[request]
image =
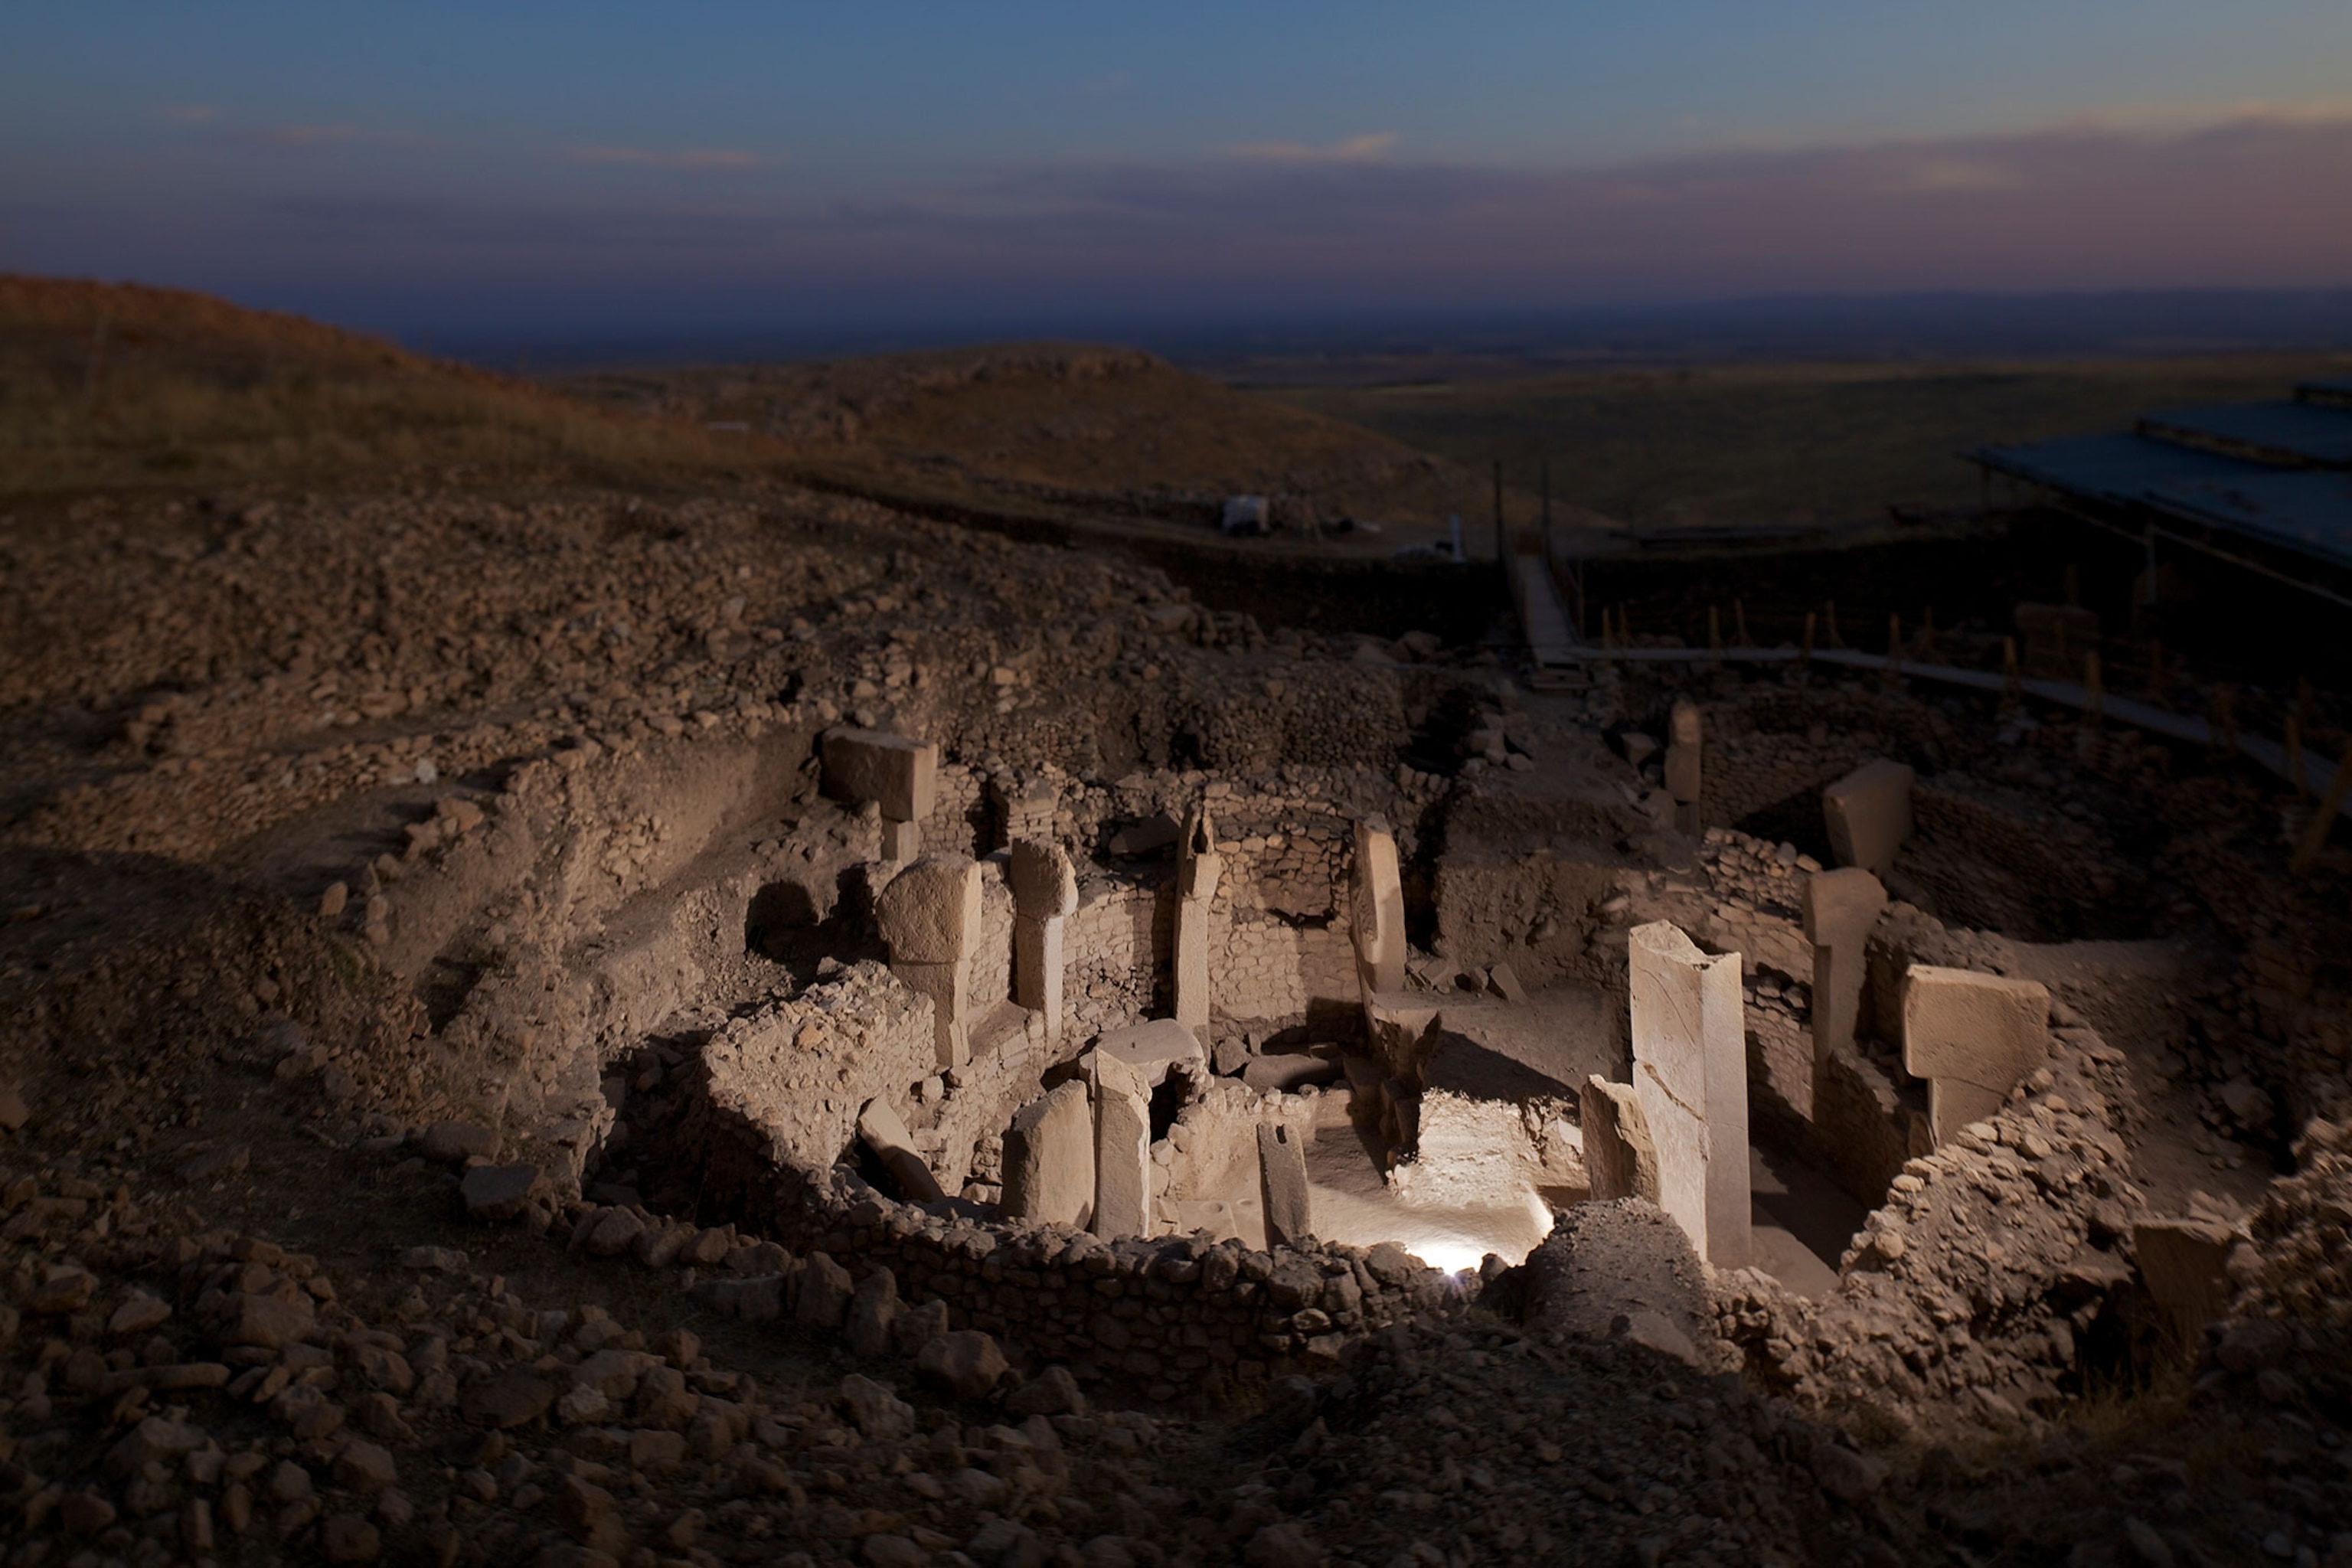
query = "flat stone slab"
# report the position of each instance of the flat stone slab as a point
(1151, 1048)
(898, 773)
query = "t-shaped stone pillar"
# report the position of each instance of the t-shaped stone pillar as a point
(1682, 766)
(1690, 1078)
(1868, 815)
(1840, 910)
(1122, 1147)
(1197, 867)
(930, 916)
(1973, 1038)
(1044, 895)
(898, 773)
(1378, 909)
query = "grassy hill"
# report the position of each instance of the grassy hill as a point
(1068, 431)
(113, 385)
(109, 386)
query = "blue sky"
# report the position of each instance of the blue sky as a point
(608, 167)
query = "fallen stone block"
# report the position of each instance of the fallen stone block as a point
(883, 1131)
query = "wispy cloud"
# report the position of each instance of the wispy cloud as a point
(2227, 204)
(732, 158)
(303, 135)
(1946, 174)
(1370, 148)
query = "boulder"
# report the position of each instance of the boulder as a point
(966, 1362)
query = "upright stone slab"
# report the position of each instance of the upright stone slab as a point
(1619, 1159)
(2184, 1263)
(1378, 909)
(1841, 909)
(1690, 1080)
(1282, 1185)
(1973, 1038)
(1868, 814)
(930, 917)
(898, 773)
(1049, 1158)
(1044, 895)
(1122, 1147)
(1682, 765)
(1197, 867)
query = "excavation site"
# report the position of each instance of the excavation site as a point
(557, 1012)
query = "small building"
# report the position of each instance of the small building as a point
(1245, 516)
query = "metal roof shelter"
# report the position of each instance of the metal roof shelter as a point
(2277, 477)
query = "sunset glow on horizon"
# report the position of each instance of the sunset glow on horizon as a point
(563, 169)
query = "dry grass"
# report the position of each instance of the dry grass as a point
(1068, 433)
(116, 386)
(1816, 444)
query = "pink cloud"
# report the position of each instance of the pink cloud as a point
(1365, 149)
(656, 158)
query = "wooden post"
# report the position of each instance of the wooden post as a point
(2298, 723)
(2095, 697)
(1805, 649)
(1713, 637)
(1739, 624)
(1501, 554)
(96, 374)
(2223, 721)
(2314, 832)
(2012, 685)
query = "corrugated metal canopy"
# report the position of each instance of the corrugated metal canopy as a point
(2306, 509)
(2297, 433)
(2118, 469)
